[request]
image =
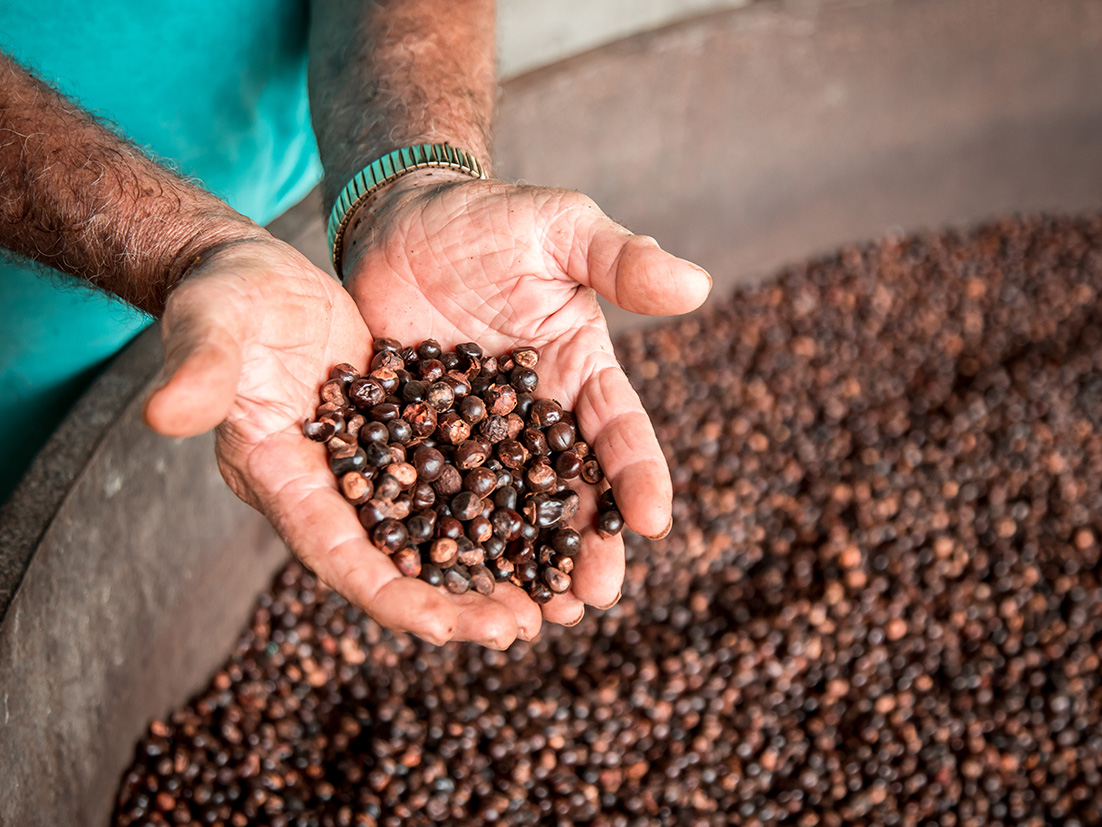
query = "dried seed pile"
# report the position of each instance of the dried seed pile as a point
(880, 602)
(457, 470)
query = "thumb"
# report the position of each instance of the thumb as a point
(629, 270)
(202, 342)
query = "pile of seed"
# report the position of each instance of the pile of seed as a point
(880, 602)
(457, 470)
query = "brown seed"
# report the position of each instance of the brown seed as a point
(428, 462)
(526, 357)
(501, 399)
(540, 477)
(479, 530)
(366, 393)
(421, 418)
(494, 429)
(456, 580)
(404, 473)
(482, 580)
(534, 440)
(514, 425)
(470, 454)
(512, 454)
(591, 471)
(610, 523)
(568, 465)
(557, 581)
(473, 555)
(449, 483)
(356, 487)
(545, 413)
(451, 429)
(408, 562)
(560, 436)
(444, 552)
(333, 392)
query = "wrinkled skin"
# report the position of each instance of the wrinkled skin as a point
(507, 266)
(255, 328)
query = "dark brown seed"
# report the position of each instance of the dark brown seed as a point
(540, 594)
(449, 527)
(514, 425)
(606, 501)
(493, 428)
(428, 462)
(389, 534)
(525, 380)
(479, 530)
(591, 471)
(354, 424)
(432, 574)
(377, 454)
(512, 454)
(470, 350)
(560, 436)
(319, 430)
(400, 431)
(571, 502)
(387, 360)
(387, 379)
(482, 579)
(421, 418)
(540, 477)
(502, 569)
(440, 395)
(347, 460)
(420, 528)
(526, 357)
(384, 412)
(472, 409)
(465, 506)
(385, 343)
(444, 552)
(506, 524)
(542, 511)
(582, 449)
(333, 392)
(341, 444)
(472, 555)
(505, 497)
(528, 570)
(414, 391)
(430, 349)
(534, 440)
(404, 473)
(566, 541)
(460, 384)
(344, 373)
(470, 454)
(489, 366)
(493, 546)
(373, 432)
(372, 512)
(423, 495)
(452, 429)
(366, 393)
(557, 581)
(457, 580)
(408, 561)
(480, 481)
(561, 562)
(431, 370)
(357, 488)
(568, 465)
(501, 399)
(449, 483)
(610, 523)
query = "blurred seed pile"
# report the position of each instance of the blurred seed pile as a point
(880, 603)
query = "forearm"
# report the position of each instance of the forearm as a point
(81, 200)
(393, 73)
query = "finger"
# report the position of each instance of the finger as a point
(484, 620)
(565, 609)
(608, 407)
(599, 569)
(629, 270)
(528, 615)
(202, 340)
(294, 489)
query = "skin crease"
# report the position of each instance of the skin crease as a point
(251, 328)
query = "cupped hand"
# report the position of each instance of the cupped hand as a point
(249, 336)
(505, 266)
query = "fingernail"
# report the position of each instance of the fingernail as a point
(619, 594)
(579, 620)
(664, 532)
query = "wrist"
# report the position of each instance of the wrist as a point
(418, 167)
(195, 242)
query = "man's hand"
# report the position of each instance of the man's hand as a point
(249, 335)
(505, 266)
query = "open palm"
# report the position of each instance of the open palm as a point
(506, 266)
(248, 338)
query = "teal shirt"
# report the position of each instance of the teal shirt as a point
(214, 88)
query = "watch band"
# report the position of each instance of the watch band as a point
(381, 172)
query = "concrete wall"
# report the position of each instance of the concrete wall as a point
(535, 33)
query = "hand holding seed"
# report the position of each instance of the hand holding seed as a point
(510, 266)
(246, 337)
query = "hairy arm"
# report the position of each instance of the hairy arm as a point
(78, 198)
(394, 73)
